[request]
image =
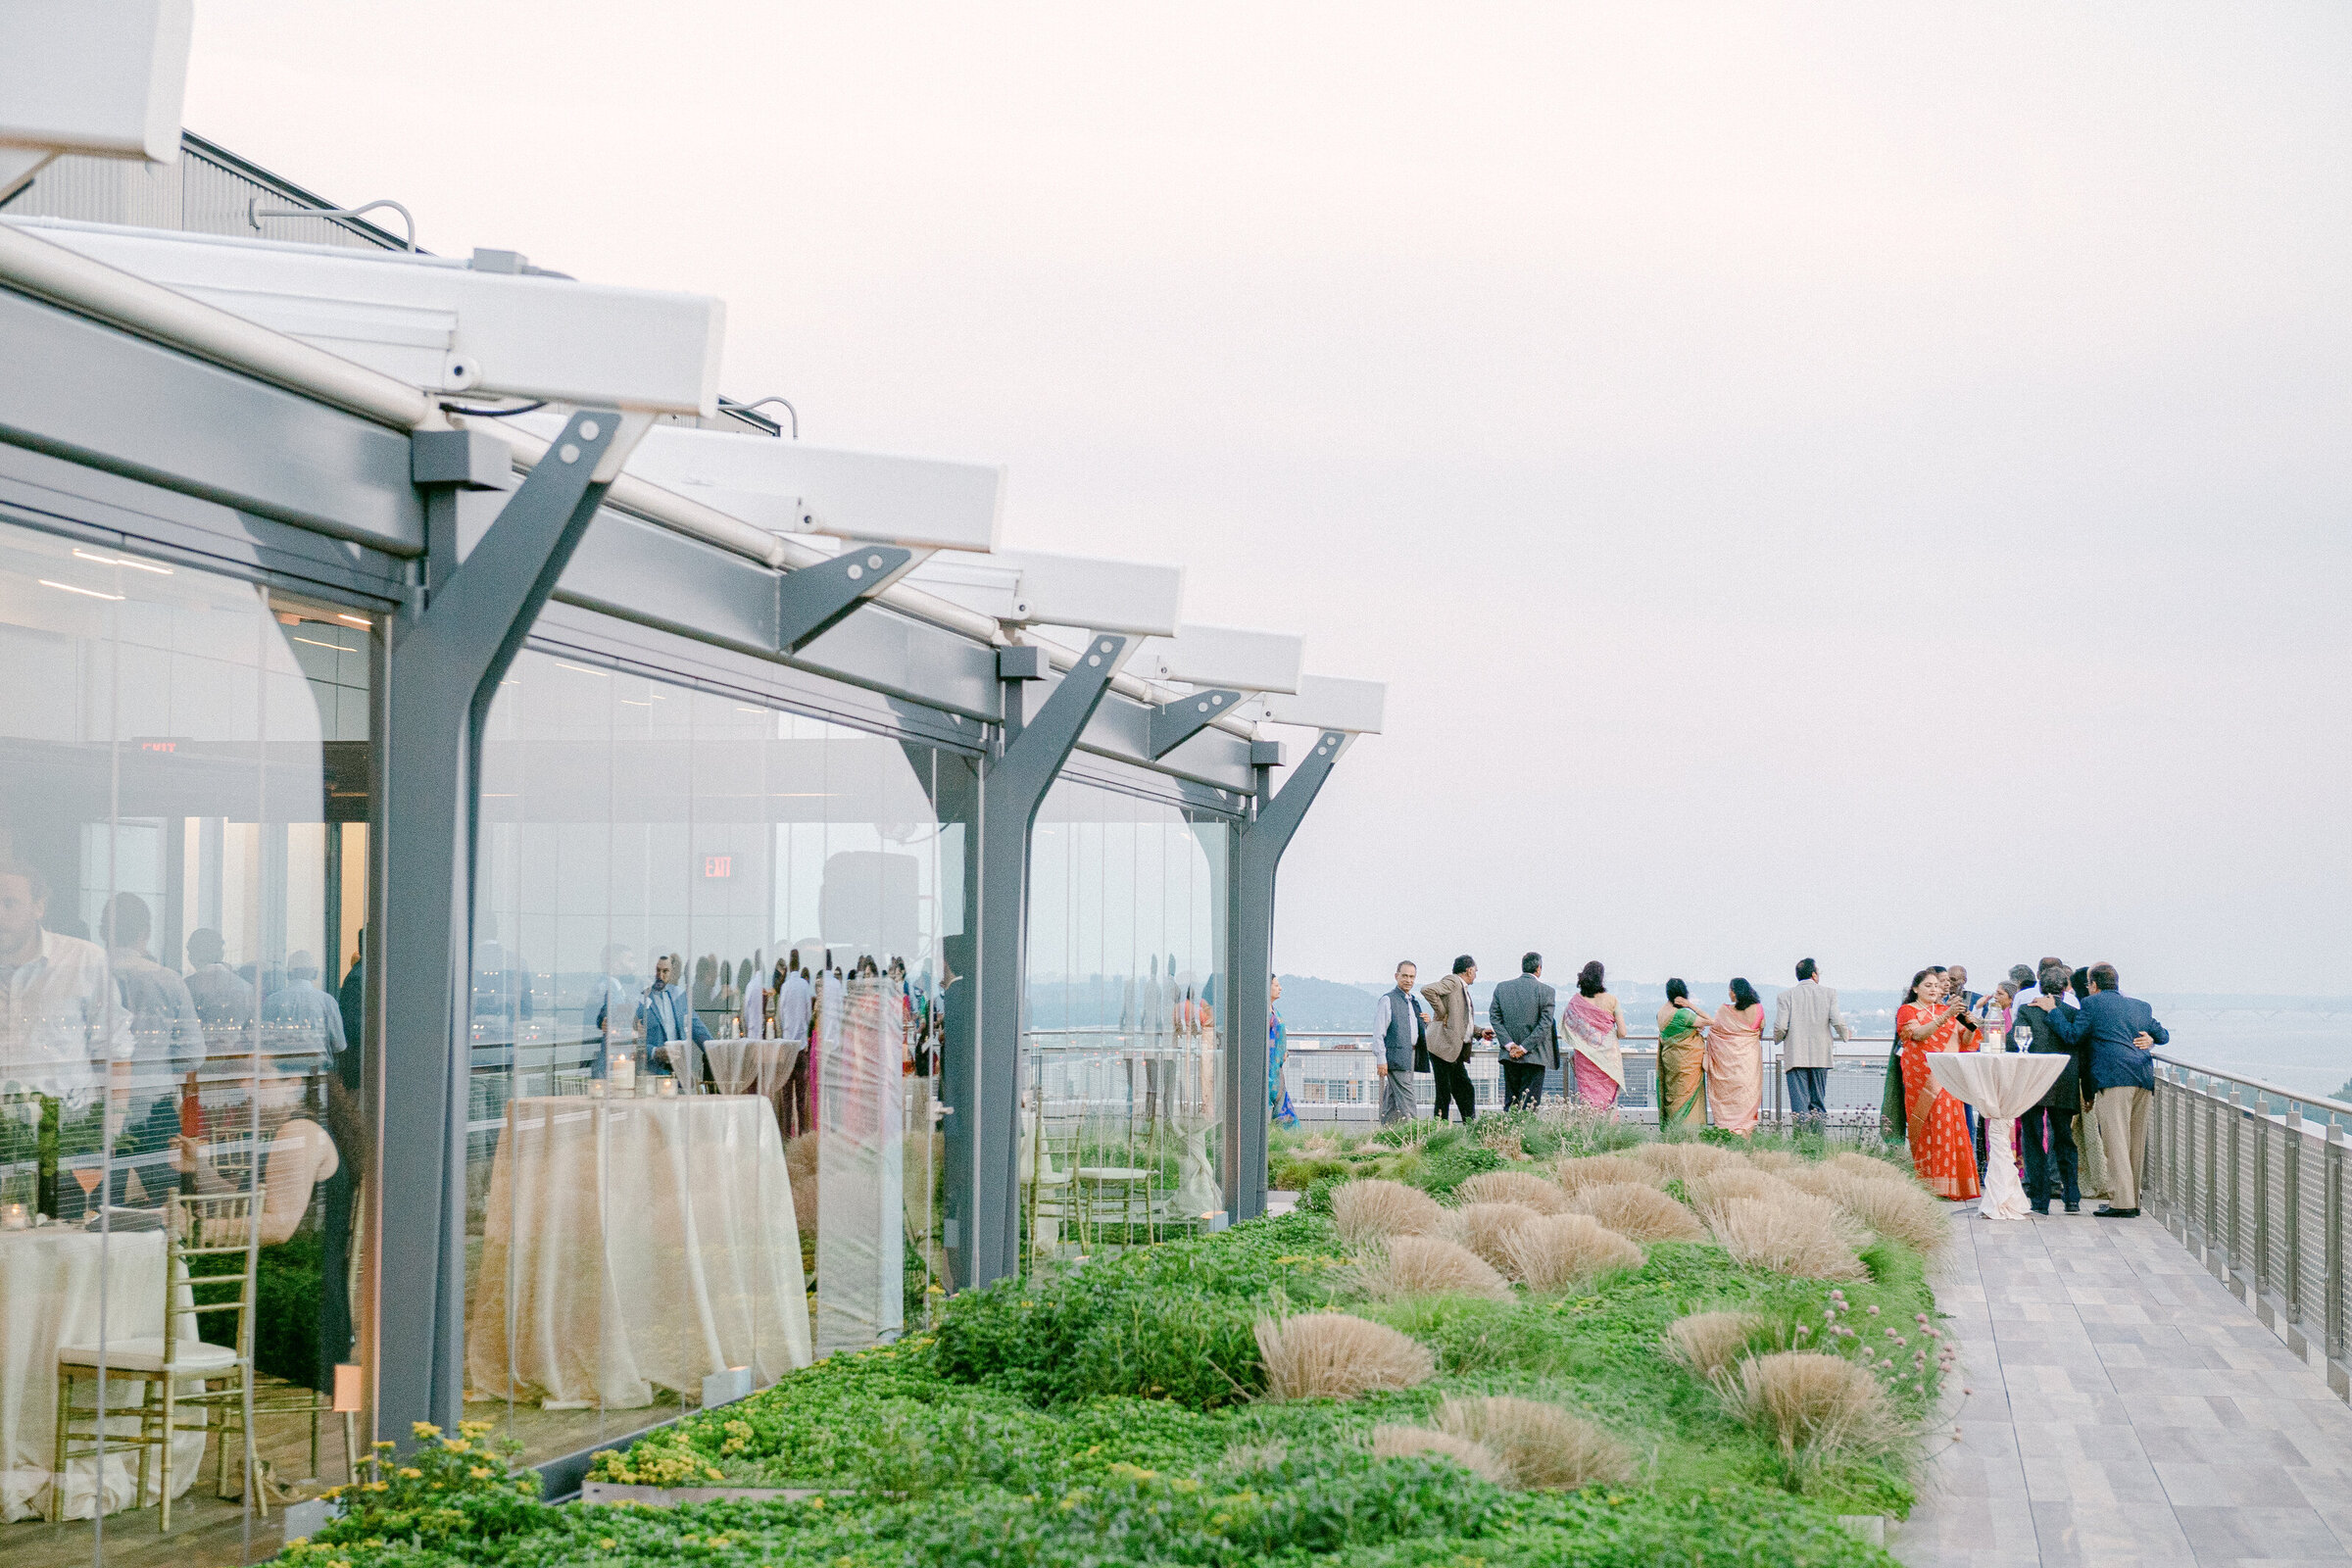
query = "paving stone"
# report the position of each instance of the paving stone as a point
(2229, 1535)
(2128, 1410)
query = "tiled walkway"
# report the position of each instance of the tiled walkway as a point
(2126, 1410)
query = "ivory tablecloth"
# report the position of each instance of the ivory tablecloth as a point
(2003, 1085)
(635, 1244)
(748, 1067)
(49, 1286)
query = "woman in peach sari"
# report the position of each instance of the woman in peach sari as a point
(1941, 1152)
(1735, 1057)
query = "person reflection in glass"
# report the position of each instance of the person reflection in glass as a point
(311, 1020)
(62, 1027)
(303, 1324)
(609, 1004)
(168, 1043)
(666, 1017)
(225, 999)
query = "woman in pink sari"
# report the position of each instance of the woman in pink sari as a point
(1593, 1025)
(1736, 1061)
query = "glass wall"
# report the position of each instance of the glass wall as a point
(184, 806)
(715, 952)
(1123, 1054)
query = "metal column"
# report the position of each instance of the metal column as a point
(1255, 861)
(1013, 786)
(444, 663)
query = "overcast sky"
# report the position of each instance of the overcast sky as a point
(1862, 481)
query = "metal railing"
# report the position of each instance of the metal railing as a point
(1332, 1077)
(2250, 1177)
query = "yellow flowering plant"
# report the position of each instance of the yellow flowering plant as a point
(463, 1487)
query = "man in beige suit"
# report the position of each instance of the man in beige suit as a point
(1452, 1026)
(1803, 1021)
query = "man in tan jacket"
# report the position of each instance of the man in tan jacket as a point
(1452, 1026)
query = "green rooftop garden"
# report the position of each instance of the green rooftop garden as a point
(1534, 1341)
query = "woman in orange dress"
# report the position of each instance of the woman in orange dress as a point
(1941, 1152)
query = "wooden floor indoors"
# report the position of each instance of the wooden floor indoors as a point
(212, 1532)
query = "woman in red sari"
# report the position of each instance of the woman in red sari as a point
(1941, 1152)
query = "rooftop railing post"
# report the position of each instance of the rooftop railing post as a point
(2260, 1122)
(2234, 1252)
(444, 660)
(1258, 857)
(2294, 1226)
(2332, 1209)
(2213, 1176)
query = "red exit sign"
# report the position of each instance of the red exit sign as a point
(717, 867)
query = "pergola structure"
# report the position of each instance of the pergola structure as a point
(468, 461)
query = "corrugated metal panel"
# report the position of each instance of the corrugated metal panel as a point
(208, 191)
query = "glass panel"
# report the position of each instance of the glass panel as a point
(710, 941)
(1124, 1059)
(178, 1067)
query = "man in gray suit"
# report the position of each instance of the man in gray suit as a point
(1525, 1017)
(1803, 1021)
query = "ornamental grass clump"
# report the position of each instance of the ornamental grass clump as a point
(1709, 1343)
(1718, 1187)
(1332, 1355)
(1431, 1265)
(1898, 1209)
(1810, 1401)
(1775, 1161)
(1684, 1161)
(1486, 1228)
(1877, 1169)
(1541, 1446)
(1407, 1442)
(1521, 1186)
(1563, 1252)
(1363, 1212)
(1638, 1212)
(1788, 1238)
(1595, 1170)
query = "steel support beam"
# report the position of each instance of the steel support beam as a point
(1174, 723)
(1013, 784)
(812, 600)
(1255, 859)
(445, 657)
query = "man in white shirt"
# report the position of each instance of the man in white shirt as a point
(796, 1006)
(62, 1027)
(1804, 1019)
(62, 1023)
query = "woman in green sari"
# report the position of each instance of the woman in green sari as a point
(1682, 1061)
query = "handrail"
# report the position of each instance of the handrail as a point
(2259, 1200)
(2340, 1107)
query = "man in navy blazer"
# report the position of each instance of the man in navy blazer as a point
(2121, 1034)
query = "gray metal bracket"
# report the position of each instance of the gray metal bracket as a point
(444, 660)
(1174, 723)
(1257, 857)
(812, 600)
(1014, 785)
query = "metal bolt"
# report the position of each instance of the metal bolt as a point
(568, 453)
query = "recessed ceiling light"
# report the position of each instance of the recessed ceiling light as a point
(67, 587)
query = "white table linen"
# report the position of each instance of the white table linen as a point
(50, 1281)
(632, 1243)
(751, 1066)
(2003, 1085)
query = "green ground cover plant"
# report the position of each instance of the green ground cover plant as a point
(1117, 1413)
